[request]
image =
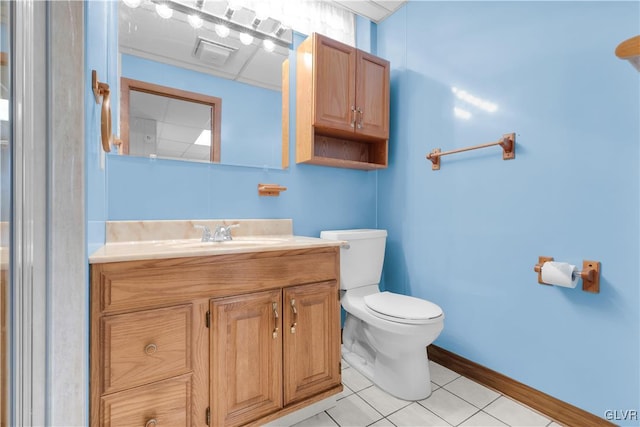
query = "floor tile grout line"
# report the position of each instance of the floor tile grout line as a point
(334, 421)
(476, 413)
(365, 401)
(471, 403)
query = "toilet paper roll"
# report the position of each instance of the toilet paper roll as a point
(560, 274)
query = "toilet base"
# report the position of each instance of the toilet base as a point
(408, 379)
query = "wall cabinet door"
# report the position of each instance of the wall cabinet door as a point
(372, 96)
(246, 357)
(351, 90)
(335, 85)
(311, 340)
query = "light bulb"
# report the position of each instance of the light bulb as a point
(268, 45)
(195, 21)
(246, 39)
(132, 3)
(164, 11)
(222, 30)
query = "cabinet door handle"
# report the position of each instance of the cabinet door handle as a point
(274, 307)
(151, 423)
(151, 349)
(353, 116)
(359, 111)
(295, 316)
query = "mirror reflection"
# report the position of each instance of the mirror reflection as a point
(157, 121)
(246, 77)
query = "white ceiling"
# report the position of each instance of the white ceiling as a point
(375, 10)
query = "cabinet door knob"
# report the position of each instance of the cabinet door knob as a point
(151, 423)
(359, 111)
(353, 116)
(150, 349)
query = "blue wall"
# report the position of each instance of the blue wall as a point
(251, 132)
(317, 197)
(467, 236)
(101, 54)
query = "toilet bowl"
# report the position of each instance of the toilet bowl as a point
(385, 334)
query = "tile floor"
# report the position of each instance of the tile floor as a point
(455, 401)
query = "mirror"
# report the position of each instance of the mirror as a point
(247, 79)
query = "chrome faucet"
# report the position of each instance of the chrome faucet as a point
(222, 233)
(206, 232)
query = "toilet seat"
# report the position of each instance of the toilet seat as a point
(402, 308)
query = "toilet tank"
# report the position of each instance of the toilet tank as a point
(361, 263)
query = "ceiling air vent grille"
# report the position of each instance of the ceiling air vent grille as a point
(211, 52)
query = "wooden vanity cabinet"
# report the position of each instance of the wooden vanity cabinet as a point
(342, 107)
(225, 340)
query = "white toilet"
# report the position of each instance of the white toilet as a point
(385, 334)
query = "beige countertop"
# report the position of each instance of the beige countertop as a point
(158, 249)
(143, 240)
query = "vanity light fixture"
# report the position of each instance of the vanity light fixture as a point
(232, 7)
(222, 30)
(164, 11)
(195, 21)
(268, 45)
(223, 25)
(262, 14)
(246, 39)
(280, 30)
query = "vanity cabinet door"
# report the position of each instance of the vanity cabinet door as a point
(311, 340)
(246, 357)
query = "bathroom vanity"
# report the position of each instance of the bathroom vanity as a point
(234, 333)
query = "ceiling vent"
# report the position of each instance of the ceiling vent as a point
(211, 52)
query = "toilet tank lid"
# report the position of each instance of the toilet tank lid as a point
(354, 234)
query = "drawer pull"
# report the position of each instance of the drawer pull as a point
(151, 349)
(151, 423)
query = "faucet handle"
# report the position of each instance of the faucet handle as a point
(223, 232)
(206, 232)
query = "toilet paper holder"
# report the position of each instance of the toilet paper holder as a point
(590, 274)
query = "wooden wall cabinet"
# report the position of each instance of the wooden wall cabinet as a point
(224, 340)
(342, 105)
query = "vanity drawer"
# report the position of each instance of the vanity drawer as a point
(165, 403)
(133, 285)
(138, 348)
